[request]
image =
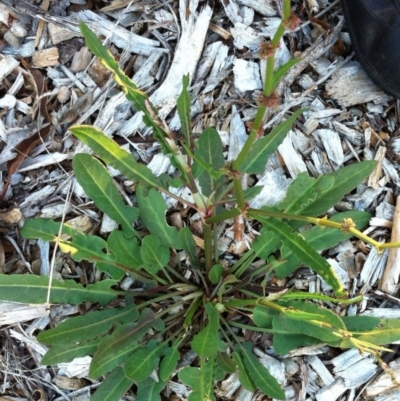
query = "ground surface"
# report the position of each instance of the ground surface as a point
(348, 119)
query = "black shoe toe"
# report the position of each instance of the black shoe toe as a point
(374, 27)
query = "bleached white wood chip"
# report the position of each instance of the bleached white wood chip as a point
(320, 369)
(8, 101)
(265, 7)
(391, 171)
(187, 54)
(245, 36)
(383, 313)
(384, 385)
(208, 59)
(7, 64)
(144, 77)
(229, 386)
(79, 367)
(372, 269)
(275, 367)
(373, 179)
(350, 134)
(232, 11)
(47, 159)
(350, 86)
(391, 273)
(331, 392)
(294, 162)
(38, 348)
(238, 135)
(247, 75)
(244, 395)
(37, 196)
(358, 373)
(275, 184)
(12, 313)
(44, 248)
(333, 146)
(159, 164)
(107, 225)
(118, 35)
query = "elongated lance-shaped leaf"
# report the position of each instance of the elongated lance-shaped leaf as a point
(210, 150)
(323, 324)
(201, 381)
(31, 289)
(91, 325)
(98, 185)
(257, 158)
(140, 364)
(387, 332)
(311, 197)
(168, 363)
(244, 377)
(284, 343)
(360, 323)
(114, 155)
(225, 362)
(260, 375)
(128, 86)
(60, 353)
(303, 251)
(281, 71)
(115, 348)
(320, 239)
(149, 390)
(205, 343)
(115, 385)
(154, 255)
(81, 246)
(183, 106)
(153, 208)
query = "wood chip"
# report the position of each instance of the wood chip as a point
(46, 58)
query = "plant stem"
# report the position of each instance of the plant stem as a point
(287, 11)
(230, 214)
(216, 247)
(239, 193)
(253, 328)
(240, 302)
(208, 248)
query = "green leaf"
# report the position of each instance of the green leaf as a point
(98, 185)
(244, 377)
(215, 273)
(114, 155)
(60, 353)
(113, 388)
(183, 106)
(210, 150)
(320, 238)
(168, 364)
(260, 375)
(138, 367)
(323, 323)
(256, 160)
(154, 255)
(284, 343)
(189, 246)
(265, 243)
(153, 208)
(126, 251)
(248, 193)
(115, 348)
(128, 86)
(281, 71)
(387, 332)
(91, 325)
(205, 343)
(81, 246)
(200, 380)
(149, 390)
(263, 316)
(225, 362)
(31, 289)
(360, 323)
(311, 197)
(303, 251)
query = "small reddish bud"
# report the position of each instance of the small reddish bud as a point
(266, 50)
(268, 101)
(292, 22)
